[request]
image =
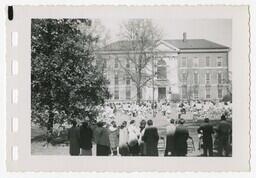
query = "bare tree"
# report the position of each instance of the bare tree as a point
(141, 38)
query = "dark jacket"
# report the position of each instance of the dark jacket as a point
(180, 140)
(86, 138)
(74, 138)
(151, 138)
(207, 131)
(102, 136)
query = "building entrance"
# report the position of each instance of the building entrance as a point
(161, 93)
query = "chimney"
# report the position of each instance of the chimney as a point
(184, 36)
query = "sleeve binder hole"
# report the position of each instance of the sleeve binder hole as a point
(15, 96)
(14, 153)
(14, 39)
(15, 124)
(15, 67)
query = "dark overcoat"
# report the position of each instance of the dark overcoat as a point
(151, 138)
(74, 141)
(86, 138)
(180, 140)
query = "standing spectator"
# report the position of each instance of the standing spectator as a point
(102, 140)
(151, 138)
(113, 137)
(206, 130)
(170, 138)
(134, 133)
(123, 140)
(180, 139)
(74, 138)
(86, 139)
(223, 135)
(142, 146)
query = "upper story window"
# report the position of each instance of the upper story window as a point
(116, 62)
(128, 80)
(196, 62)
(116, 79)
(207, 78)
(219, 78)
(127, 63)
(208, 92)
(161, 69)
(183, 62)
(116, 93)
(207, 61)
(219, 61)
(196, 79)
(184, 77)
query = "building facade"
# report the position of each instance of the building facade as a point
(187, 69)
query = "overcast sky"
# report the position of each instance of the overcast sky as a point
(219, 30)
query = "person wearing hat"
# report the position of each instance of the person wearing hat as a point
(102, 140)
(74, 139)
(151, 137)
(206, 130)
(86, 135)
(170, 138)
(223, 133)
(181, 136)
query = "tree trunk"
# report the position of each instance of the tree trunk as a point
(50, 124)
(138, 94)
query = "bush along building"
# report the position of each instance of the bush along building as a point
(181, 69)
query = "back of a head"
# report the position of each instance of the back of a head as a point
(132, 122)
(181, 121)
(172, 121)
(73, 122)
(150, 122)
(85, 124)
(223, 117)
(100, 124)
(206, 120)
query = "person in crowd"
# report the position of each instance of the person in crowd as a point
(143, 124)
(134, 133)
(114, 137)
(151, 137)
(180, 139)
(86, 135)
(102, 140)
(170, 130)
(223, 135)
(74, 139)
(123, 140)
(206, 130)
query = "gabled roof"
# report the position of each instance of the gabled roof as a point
(195, 44)
(188, 44)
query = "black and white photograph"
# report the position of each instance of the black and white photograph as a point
(131, 87)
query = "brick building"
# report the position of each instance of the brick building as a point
(186, 69)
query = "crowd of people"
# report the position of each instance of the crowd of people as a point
(142, 139)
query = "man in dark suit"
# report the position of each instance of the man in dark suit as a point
(151, 137)
(206, 130)
(74, 139)
(180, 139)
(223, 135)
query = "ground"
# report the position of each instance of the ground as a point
(39, 147)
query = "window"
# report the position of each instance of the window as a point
(219, 61)
(219, 78)
(196, 62)
(116, 79)
(219, 92)
(207, 78)
(183, 62)
(184, 91)
(208, 92)
(195, 92)
(116, 62)
(161, 69)
(128, 80)
(207, 61)
(184, 77)
(128, 92)
(116, 93)
(127, 64)
(195, 78)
